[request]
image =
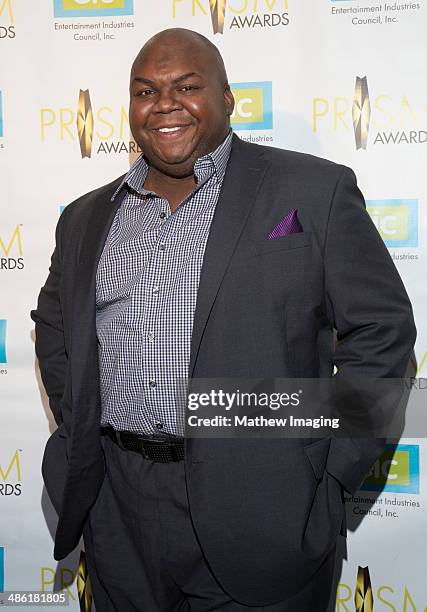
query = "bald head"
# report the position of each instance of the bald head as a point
(180, 100)
(169, 40)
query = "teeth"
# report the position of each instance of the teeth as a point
(172, 129)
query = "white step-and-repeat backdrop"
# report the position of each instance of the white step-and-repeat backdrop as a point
(342, 79)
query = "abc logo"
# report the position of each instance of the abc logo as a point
(253, 106)
(397, 470)
(390, 222)
(76, 4)
(396, 221)
(88, 8)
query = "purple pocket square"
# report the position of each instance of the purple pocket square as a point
(288, 225)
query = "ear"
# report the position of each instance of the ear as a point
(229, 100)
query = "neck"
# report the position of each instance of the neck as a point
(158, 181)
(173, 189)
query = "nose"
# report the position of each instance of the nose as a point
(167, 101)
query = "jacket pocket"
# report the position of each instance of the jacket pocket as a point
(326, 518)
(317, 454)
(62, 432)
(300, 240)
(55, 466)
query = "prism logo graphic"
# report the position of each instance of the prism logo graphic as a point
(103, 124)
(363, 598)
(385, 118)
(217, 8)
(7, 28)
(84, 585)
(85, 123)
(366, 596)
(396, 221)
(361, 112)
(3, 358)
(396, 471)
(241, 14)
(82, 118)
(10, 474)
(92, 8)
(344, 111)
(11, 251)
(6, 11)
(253, 106)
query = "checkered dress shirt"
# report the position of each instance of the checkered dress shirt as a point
(146, 290)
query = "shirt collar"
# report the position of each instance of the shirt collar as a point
(204, 168)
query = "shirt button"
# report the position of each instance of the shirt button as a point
(162, 215)
(159, 425)
(151, 336)
(155, 290)
(162, 247)
(152, 383)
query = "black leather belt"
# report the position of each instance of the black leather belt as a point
(161, 449)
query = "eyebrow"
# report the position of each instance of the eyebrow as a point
(182, 77)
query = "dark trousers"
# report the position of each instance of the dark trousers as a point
(142, 552)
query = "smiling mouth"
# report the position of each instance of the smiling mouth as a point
(169, 129)
(173, 129)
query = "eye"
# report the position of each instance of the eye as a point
(144, 92)
(185, 88)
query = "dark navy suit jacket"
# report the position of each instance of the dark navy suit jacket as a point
(267, 512)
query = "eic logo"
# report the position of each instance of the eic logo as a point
(92, 8)
(3, 358)
(396, 471)
(1, 116)
(253, 106)
(396, 221)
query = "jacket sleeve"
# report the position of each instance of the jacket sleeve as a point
(371, 311)
(50, 345)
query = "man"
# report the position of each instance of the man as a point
(182, 268)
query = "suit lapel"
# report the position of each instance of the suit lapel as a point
(242, 180)
(84, 342)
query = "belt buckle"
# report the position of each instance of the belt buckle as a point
(118, 437)
(145, 445)
(143, 450)
(152, 445)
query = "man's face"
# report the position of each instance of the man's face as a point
(179, 106)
